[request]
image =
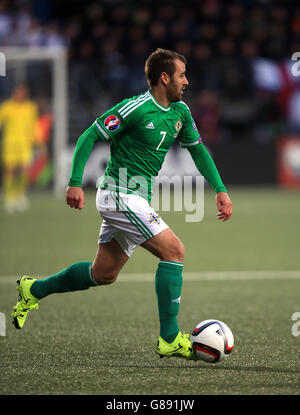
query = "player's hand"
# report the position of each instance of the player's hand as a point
(224, 206)
(75, 197)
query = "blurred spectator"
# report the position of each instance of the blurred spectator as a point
(211, 10)
(293, 113)
(53, 36)
(157, 35)
(115, 70)
(23, 18)
(135, 77)
(44, 123)
(35, 35)
(236, 10)
(268, 83)
(201, 68)
(267, 75)
(6, 21)
(185, 48)
(295, 24)
(235, 48)
(141, 16)
(236, 92)
(178, 30)
(289, 97)
(167, 13)
(206, 113)
(40, 170)
(41, 9)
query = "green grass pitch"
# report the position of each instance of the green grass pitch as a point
(245, 272)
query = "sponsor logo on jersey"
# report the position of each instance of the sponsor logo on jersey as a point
(150, 126)
(178, 126)
(112, 123)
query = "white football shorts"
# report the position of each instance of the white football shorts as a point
(128, 218)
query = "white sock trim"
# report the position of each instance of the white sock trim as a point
(94, 282)
(172, 263)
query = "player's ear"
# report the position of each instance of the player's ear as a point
(164, 78)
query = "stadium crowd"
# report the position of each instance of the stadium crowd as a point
(238, 52)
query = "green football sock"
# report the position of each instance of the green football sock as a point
(168, 284)
(74, 278)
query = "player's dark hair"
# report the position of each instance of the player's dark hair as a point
(161, 60)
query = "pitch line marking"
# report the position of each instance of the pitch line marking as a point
(219, 276)
(198, 276)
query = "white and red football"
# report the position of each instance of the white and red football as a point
(212, 340)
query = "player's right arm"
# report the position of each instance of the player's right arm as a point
(104, 128)
(84, 146)
(75, 197)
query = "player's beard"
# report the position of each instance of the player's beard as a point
(174, 92)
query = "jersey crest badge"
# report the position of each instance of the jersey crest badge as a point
(112, 123)
(178, 126)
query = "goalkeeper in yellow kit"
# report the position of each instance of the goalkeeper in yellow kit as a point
(18, 117)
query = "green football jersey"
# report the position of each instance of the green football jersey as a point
(141, 133)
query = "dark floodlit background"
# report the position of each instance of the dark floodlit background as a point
(243, 95)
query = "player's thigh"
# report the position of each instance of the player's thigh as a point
(166, 245)
(109, 260)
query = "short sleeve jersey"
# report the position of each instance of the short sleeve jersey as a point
(141, 133)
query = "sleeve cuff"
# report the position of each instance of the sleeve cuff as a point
(100, 130)
(192, 144)
(221, 189)
(75, 182)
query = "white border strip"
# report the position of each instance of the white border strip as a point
(132, 103)
(189, 144)
(157, 104)
(129, 111)
(104, 133)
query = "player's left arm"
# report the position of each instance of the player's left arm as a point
(224, 206)
(190, 138)
(208, 169)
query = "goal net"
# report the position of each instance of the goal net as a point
(44, 72)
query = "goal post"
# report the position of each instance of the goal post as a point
(57, 58)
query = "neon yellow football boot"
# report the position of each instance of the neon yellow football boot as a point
(26, 301)
(180, 347)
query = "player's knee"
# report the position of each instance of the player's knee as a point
(179, 251)
(175, 252)
(104, 278)
(108, 279)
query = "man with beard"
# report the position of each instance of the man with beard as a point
(141, 129)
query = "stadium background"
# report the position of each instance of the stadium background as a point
(242, 93)
(245, 101)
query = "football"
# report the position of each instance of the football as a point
(212, 341)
